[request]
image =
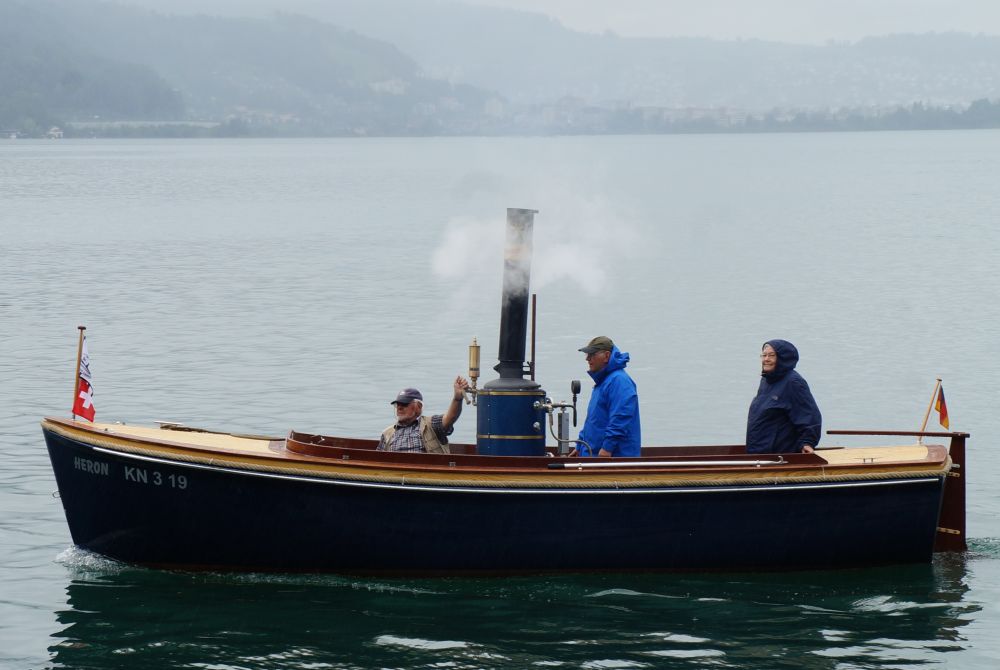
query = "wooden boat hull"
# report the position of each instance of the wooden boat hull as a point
(157, 505)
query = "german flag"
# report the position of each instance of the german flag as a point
(942, 408)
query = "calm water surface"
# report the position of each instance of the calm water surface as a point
(267, 285)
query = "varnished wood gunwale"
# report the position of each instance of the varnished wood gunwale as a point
(364, 462)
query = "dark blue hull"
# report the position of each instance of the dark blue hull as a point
(162, 512)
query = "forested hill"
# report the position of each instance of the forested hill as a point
(47, 74)
(441, 67)
(530, 58)
(77, 60)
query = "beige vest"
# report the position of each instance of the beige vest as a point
(432, 445)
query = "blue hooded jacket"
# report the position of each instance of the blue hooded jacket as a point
(783, 417)
(613, 413)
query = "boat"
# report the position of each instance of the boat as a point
(170, 498)
(176, 497)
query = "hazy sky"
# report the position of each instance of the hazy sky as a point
(809, 21)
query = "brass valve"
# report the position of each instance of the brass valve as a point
(471, 392)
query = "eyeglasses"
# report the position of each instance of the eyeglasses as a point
(771, 355)
(591, 355)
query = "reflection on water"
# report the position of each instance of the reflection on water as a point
(117, 616)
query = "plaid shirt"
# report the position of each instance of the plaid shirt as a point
(409, 438)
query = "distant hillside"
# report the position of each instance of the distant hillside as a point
(46, 75)
(289, 71)
(529, 58)
(440, 67)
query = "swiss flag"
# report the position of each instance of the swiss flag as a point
(83, 404)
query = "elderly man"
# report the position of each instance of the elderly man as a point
(612, 426)
(415, 432)
(783, 417)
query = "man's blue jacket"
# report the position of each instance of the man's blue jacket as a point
(783, 417)
(613, 413)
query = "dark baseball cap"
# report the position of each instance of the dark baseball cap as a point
(406, 396)
(599, 343)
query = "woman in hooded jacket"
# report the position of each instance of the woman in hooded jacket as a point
(784, 417)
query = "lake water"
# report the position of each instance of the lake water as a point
(262, 286)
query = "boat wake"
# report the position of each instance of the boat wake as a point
(88, 564)
(983, 547)
(324, 580)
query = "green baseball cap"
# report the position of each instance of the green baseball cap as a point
(599, 343)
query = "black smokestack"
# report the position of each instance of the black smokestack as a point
(516, 277)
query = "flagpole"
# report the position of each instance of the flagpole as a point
(76, 372)
(930, 406)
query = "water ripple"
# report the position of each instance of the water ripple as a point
(427, 645)
(248, 286)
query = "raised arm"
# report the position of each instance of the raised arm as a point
(455, 406)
